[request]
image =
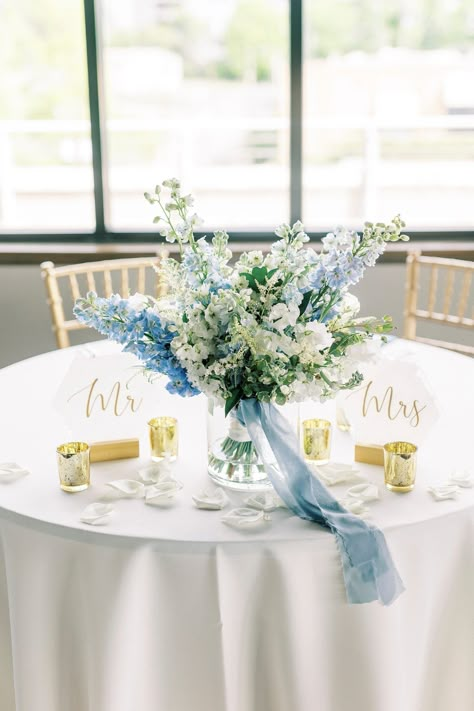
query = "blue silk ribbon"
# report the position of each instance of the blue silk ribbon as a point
(368, 568)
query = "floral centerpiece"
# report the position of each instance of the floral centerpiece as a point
(266, 330)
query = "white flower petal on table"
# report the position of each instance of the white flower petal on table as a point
(11, 471)
(127, 488)
(363, 492)
(163, 493)
(441, 492)
(337, 473)
(97, 514)
(210, 498)
(462, 478)
(245, 518)
(356, 506)
(158, 471)
(266, 501)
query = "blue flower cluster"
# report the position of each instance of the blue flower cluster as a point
(204, 265)
(141, 332)
(342, 269)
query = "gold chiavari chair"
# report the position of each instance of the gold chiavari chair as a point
(119, 276)
(449, 298)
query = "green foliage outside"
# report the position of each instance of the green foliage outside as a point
(42, 60)
(341, 26)
(43, 57)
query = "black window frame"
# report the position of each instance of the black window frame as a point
(103, 235)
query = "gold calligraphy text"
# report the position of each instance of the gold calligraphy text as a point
(411, 411)
(116, 400)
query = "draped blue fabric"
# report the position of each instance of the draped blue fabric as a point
(368, 569)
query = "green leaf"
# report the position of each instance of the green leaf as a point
(156, 219)
(251, 280)
(305, 302)
(232, 401)
(260, 274)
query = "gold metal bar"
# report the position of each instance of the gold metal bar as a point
(125, 287)
(90, 281)
(466, 285)
(451, 320)
(141, 280)
(76, 294)
(108, 283)
(114, 449)
(409, 326)
(369, 454)
(448, 294)
(433, 286)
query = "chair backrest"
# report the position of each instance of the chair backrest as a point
(65, 284)
(449, 297)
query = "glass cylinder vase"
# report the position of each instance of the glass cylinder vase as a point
(233, 461)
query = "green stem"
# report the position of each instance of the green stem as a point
(168, 220)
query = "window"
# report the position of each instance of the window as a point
(46, 178)
(268, 110)
(198, 90)
(389, 112)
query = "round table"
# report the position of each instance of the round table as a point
(172, 610)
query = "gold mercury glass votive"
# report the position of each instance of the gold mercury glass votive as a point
(316, 440)
(163, 438)
(400, 466)
(73, 466)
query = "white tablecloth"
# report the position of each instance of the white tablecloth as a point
(171, 610)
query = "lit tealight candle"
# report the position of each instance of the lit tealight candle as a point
(73, 466)
(163, 438)
(400, 466)
(316, 440)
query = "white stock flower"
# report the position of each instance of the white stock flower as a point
(262, 342)
(282, 231)
(138, 301)
(318, 335)
(349, 304)
(359, 355)
(283, 315)
(255, 258)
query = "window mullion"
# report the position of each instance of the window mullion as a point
(95, 83)
(296, 108)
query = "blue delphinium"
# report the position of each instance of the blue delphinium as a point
(140, 331)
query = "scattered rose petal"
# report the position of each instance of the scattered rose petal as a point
(335, 473)
(127, 488)
(97, 514)
(245, 518)
(462, 478)
(356, 506)
(163, 493)
(211, 499)
(266, 501)
(11, 471)
(153, 473)
(363, 492)
(441, 492)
